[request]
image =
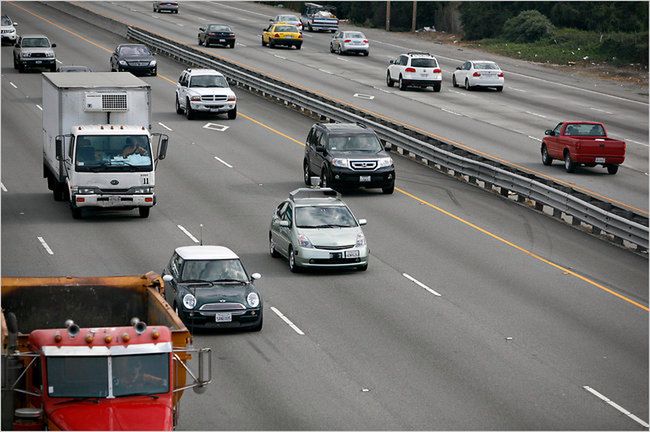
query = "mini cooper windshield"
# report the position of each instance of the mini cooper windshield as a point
(225, 270)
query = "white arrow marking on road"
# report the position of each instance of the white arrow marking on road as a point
(288, 321)
(13, 85)
(223, 162)
(215, 126)
(39, 107)
(417, 282)
(187, 233)
(615, 405)
(4, 189)
(364, 96)
(168, 128)
(47, 248)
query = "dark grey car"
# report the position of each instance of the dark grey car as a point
(134, 58)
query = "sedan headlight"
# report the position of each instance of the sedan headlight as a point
(143, 190)
(384, 162)
(253, 299)
(152, 63)
(122, 62)
(303, 241)
(340, 162)
(189, 301)
(361, 240)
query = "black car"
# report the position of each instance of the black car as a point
(347, 155)
(134, 58)
(216, 34)
(208, 287)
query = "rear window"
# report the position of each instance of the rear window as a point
(354, 35)
(286, 29)
(486, 66)
(584, 130)
(219, 28)
(424, 62)
(288, 18)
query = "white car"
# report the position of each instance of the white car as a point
(345, 42)
(8, 30)
(415, 69)
(204, 90)
(478, 73)
(289, 19)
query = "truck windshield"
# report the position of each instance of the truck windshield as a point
(224, 270)
(84, 376)
(35, 43)
(113, 153)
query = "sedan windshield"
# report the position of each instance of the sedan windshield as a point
(424, 62)
(225, 270)
(358, 142)
(286, 29)
(140, 374)
(101, 153)
(208, 81)
(135, 50)
(77, 376)
(36, 43)
(486, 66)
(324, 217)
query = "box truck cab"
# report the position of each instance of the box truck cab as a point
(98, 151)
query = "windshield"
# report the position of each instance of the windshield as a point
(36, 43)
(113, 153)
(324, 217)
(354, 35)
(286, 28)
(6, 21)
(77, 376)
(486, 66)
(584, 130)
(135, 50)
(219, 28)
(424, 62)
(358, 142)
(140, 374)
(210, 81)
(214, 270)
(287, 18)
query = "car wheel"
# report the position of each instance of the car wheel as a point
(21, 68)
(331, 48)
(232, 114)
(232, 45)
(271, 43)
(144, 212)
(389, 80)
(59, 191)
(612, 169)
(179, 110)
(189, 112)
(569, 165)
(15, 63)
(500, 88)
(467, 86)
(293, 267)
(307, 174)
(263, 43)
(546, 158)
(325, 179)
(298, 46)
(274, 253)
(310, 28)
(363, 267)
(154, 72)
(437, 87)
(388, 190)
(366, 53)
(200, 42)
(453, 81)
(402, 84)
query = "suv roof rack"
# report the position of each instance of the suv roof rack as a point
(316, 192)
(419, 53)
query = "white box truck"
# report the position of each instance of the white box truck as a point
(98, 150)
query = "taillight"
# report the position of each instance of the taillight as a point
(437, 70)
(500, 74)
(276, 35)
(347, 41)
(476, 74)
(409, 69)
(365, 41)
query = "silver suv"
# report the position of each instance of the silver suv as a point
(8, 30)
(204, 90)
(314, 228)
(415, 69)
(34, 51)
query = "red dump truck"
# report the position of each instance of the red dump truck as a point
(582, 143)
(94, 353)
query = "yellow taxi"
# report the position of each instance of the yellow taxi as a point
(282, 34)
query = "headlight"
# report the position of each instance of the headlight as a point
(339, 162)
(384, 162)
(189, 301)
(195, 98)
(25, 54)
(84, 190)
(122, 62)
(143, 190)
(253, 299)
(152, 63)
(49, 54)
(303, 241)
(361, 240)
(232, 98)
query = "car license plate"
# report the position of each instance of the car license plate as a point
(352, 254)
(424, 75)
(222, 40)
(38, 62)
(113, 199)
(288, 37)
(600, 160)
(336, 255)
(364, 178)
(223, 317)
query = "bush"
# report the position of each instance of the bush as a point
(627, 47)
(528, 26)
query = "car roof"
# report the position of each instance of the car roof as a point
(203, 72)
(218, 24)
(418, 54)
(308, 197)
(343, 127)
(205, 252)
(26, 36)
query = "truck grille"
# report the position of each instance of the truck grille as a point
(37, 54)
(214, 98)
(6, 31)
(361, 165)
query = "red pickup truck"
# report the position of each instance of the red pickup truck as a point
(582, 143)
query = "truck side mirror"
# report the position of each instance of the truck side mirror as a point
(549, 132)
(362, 221)
(162, 151)
(53, 45)
(205, 370)
(58, 142)
(284, 223)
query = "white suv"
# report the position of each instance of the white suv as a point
(204, 90)
(415, 69)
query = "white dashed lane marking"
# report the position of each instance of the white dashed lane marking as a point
(616, 406)
(13, 85)
(417, 282)
(45, 245)
(288, 321)
(223, 162)
(166, 127)
(39, 107)
(187, 233)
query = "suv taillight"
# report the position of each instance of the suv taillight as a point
(476, 74)
(500, 74)
(437, 70)
(409, 69)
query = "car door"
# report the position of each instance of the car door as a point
(282, 234)
(553, 142)
(315, 158)
(182, 89)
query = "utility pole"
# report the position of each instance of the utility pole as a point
(387, 15)
(415, 13)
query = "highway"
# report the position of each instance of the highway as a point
(506, 126)
(514, 322)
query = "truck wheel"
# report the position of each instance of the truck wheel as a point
(232, 114)
(612, 169)
(189, 112)
(569, 165)
(76, 212)
(310, 28)
(546, 158)
(179, 110)
(144, 212)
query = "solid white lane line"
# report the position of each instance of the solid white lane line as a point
(417, 282)
(326, 71)
(516, 89)
(223, 162)
(58, 61)
(535, 114)
(187, 233)
(39, 107)
(637, 142)
(616, 406)
(279, 56)
(451, 112)
(13, 85)
(4, 189)
(241, 44)
(47, 248)
(288, 321)
(534, 138)
(166, 127)
(201, 18)
(599, 110)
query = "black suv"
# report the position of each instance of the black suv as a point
(347, 155)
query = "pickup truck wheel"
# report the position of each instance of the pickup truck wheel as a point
(232, 114)
(179, 110)
(569, 165)
(144, 212)
(546, 158)
(612, 169)
(59, 191)
(389, 80)
(310, 28)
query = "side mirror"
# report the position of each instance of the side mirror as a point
(168, 278)
(53, 45)
(17, 45)
(271, 19)
(201, 28)
(320, 149)
(388, 146)
(284, 223)
(362, 221)
(458, 68)
(205, 370)
(162, 151)
(15, 24)
(256, 276)
(549, 132)
(58, 143)
(392, 61)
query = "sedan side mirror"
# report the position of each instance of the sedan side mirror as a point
(284, 223)
(53, 45)
(168, 278)
(15, 24)
(271, 19)
(362, 221)
(256, 276)
(549, 132)
(458, 68)
(392, 61)
(201, 29)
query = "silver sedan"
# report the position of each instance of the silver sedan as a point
(345, 42)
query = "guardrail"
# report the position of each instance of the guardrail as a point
(621, 225)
